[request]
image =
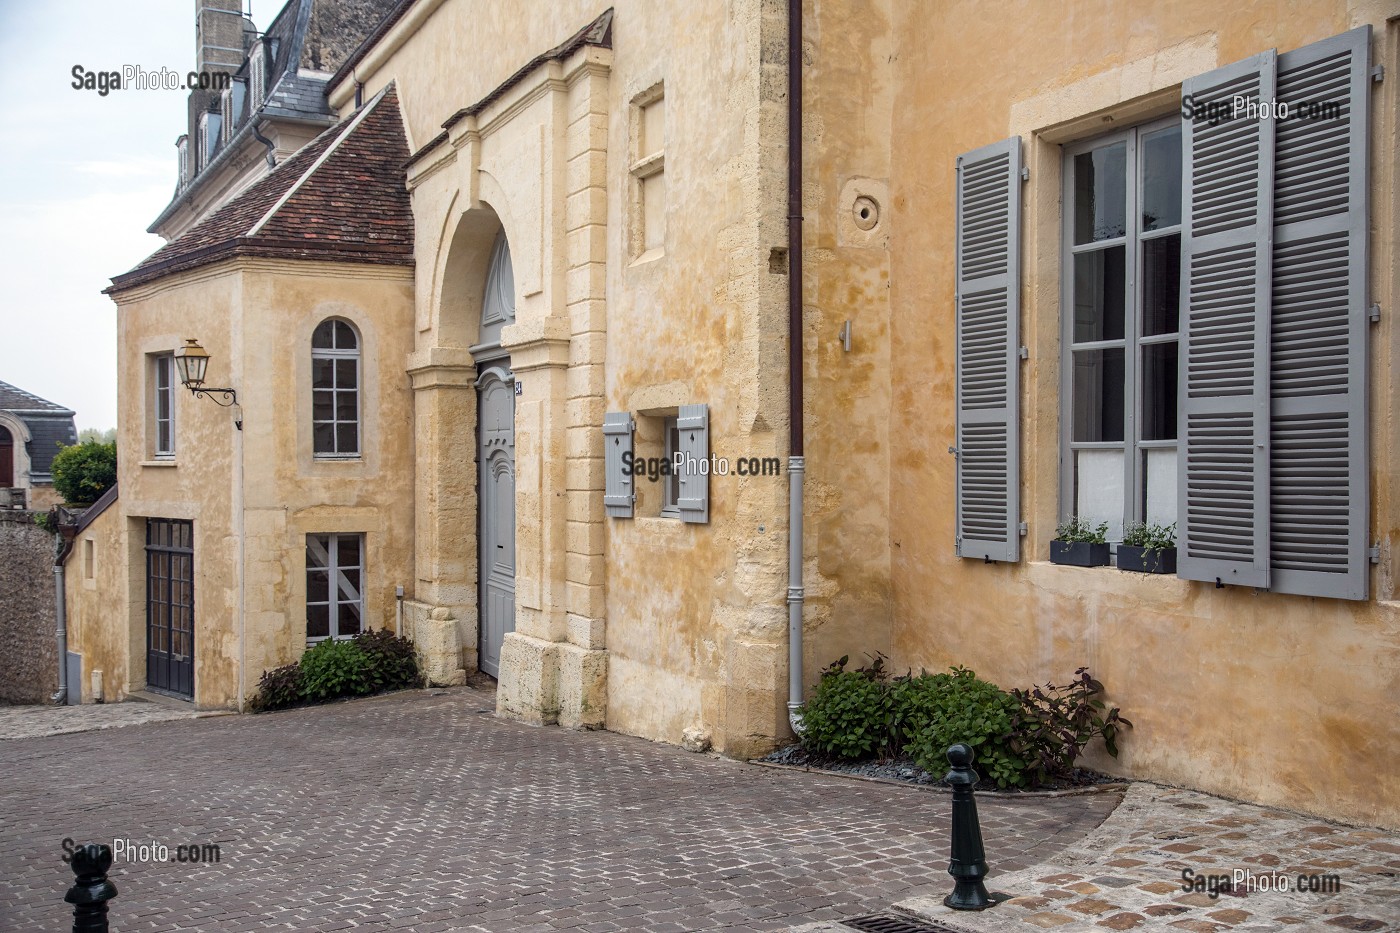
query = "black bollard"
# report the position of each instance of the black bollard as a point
(90, 894)
(967, 863)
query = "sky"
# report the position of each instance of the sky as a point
(81, 178)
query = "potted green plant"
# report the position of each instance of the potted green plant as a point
(1080, 544)
(1148, 548)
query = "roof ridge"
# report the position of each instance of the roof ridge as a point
(320, 160)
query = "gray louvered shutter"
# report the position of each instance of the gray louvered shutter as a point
(619, 492)
(1227, 194)
(1318, 466)
(988, 351)
(693, 499)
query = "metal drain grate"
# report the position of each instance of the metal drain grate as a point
(895, 923)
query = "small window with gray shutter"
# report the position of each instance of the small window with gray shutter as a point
(988, 387)
(619, 489)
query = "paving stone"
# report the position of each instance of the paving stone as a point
(416, 812)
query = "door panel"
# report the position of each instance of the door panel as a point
(496, 511)
(170, 606)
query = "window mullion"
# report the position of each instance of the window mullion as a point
(1131, 328)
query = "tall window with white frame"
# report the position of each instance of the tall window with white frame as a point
(162, 434)
(334, 586)
(335, 390)
(1121, 298)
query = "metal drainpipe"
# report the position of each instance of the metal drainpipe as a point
(796, 462)
(61, 697)
(66, 535)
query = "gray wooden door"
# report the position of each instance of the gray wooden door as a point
(496, 510)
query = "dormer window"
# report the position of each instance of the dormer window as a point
(226, 114)
(182, 149)
(208, 137)
(238, 91)
(257, 76)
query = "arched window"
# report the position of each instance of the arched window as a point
(498, 303)
(335, 390)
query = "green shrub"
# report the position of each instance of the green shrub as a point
(83, 472)
(279, 688)
(331, 669)
(1053, 724)
(1021, 738)
(393, 662)
(942, 709)
(848, 715)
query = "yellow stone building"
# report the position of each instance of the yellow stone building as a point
(1047, 269)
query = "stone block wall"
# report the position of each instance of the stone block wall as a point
(28, 654)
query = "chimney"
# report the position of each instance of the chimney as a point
(218, 30)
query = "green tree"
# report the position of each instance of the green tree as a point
(83, 472)
(108, 436)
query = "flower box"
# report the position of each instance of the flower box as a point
(1142, 560)
(1079, 554)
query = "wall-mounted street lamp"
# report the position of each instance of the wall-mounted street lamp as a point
(192, 360)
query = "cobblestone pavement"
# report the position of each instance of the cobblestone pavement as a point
(424, 812)
(1128, 875)
(26, 722)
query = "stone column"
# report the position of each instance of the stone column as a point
(443, 617)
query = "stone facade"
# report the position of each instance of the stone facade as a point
(564, 133)
(28, 651)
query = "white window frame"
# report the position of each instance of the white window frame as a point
(182, 150)
(335, 355)
(648, 161)
(671, 487)
(163, 367)
(257, 76)
(335, 597)
(1133, 445)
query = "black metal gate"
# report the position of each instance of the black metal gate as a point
(170, 606)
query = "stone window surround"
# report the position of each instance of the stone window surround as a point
(19, 433)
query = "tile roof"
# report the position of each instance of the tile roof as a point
(13, 398)
(340, 198)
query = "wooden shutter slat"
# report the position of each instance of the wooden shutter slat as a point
(988, 344)
(618, 487)
(1319, 489)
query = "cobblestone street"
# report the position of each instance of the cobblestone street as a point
(425, 812)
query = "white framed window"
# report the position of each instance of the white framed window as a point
(162, 406)
(182, 151)
(648, 172)
(335, 390)
(671, 490)
(334, 586)
(208, 137)
(226, 114)
(1121, 274)
(257, 76)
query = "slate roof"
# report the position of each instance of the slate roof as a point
(50, 427)
(340, 198)
(13, 398)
